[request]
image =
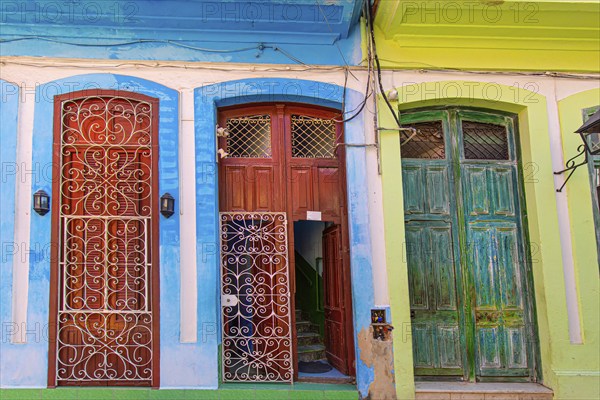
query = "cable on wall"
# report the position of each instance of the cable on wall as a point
(260, 47)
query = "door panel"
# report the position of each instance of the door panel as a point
(476, 190)
(285, 159)
(436, 181)
(107, 222)
(414, 198)
(329, 192)
(333, 277)
(503, 183)
(498, 310)
(236, 188)
(255, 297)
(481, 288)
(302, 190)
(434, 314)
(262, 189)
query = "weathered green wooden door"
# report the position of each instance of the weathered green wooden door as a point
(465, 246)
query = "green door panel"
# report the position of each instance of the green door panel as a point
(508, 268)
(436, 183)
(434, 312)
(498, 311)
(466, 249)
(414, 197)
(444, 280)
(416, 253)
(476, 190)
(481, 266)
(503, 181)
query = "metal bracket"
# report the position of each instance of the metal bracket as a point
(572, 166)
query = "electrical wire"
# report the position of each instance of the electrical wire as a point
(368, 92)
(374, 46)
(260, 46)
(130, 43)
(336, 41)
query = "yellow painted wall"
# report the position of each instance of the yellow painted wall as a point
(560, 361)
(489, 35)
(577, 366)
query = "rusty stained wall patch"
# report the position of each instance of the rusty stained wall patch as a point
(378, 354)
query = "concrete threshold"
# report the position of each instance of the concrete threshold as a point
(481, 391)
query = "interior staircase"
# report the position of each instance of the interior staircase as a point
(310, 343)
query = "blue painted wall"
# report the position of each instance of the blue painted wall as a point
(278, 32)
(183, 365)
(207, 101)
(23, 372)
(9, 107)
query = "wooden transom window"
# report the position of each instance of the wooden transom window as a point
(483, 141)
(249, 136)
(427, 142)
(313, 137)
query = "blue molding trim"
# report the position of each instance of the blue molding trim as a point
(216, 48)
(207, 101)
(23, 371)
(248, 31)
(184, 19)
(10, 172)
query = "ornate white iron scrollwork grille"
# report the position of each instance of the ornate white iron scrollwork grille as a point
(255, 297)
(104, 331)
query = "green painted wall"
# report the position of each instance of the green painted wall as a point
(557, 356)
(309, 289)
(300, 391)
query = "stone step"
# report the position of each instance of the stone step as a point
(481, 391)
(312, 352)
(306, 326)
(308, 338)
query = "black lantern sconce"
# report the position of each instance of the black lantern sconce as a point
(587, 131)
(590, 147)
(167, 205)
(41, 202)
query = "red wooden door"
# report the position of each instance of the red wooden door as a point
(250, 175)
(255, 286)
(106, 217)
(280, 158)
(333, 278)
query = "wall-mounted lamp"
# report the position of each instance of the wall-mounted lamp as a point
(167, 205)
(41, 202)
(587, 130)
(590, 147)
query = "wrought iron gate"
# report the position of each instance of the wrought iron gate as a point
(255, 297)
(106, 214)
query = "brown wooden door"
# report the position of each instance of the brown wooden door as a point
(287, 158)
(255, 285)
(251, 174)
(104, 278)
(333, 278)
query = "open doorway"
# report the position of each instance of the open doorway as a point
(319, 299)
(283, 161)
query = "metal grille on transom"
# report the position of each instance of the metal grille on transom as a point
(255, 297)
(483, 141)
(249, 136)
(427, 142)
(313, 137)
(104, 331)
